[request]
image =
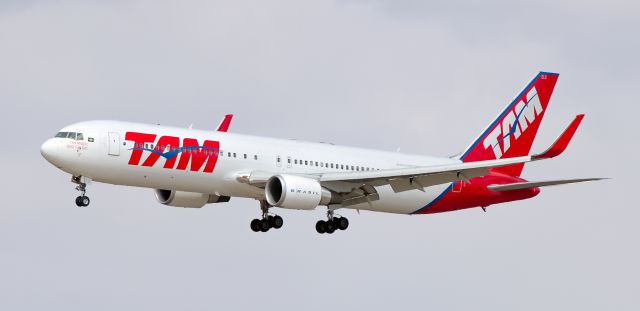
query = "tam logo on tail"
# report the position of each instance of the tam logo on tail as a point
(514, 123)
(512, 133)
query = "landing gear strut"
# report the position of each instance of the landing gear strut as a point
(268, 221)
(332, 223)
(82, 199)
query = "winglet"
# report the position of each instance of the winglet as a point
(561, 142)
(224, 125)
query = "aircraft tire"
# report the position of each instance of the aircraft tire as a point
(329, 227)
(277, 222)
(320, 226)
(255, 225)
(264, 225)
(342, 223)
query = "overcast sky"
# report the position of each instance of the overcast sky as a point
(423, 76)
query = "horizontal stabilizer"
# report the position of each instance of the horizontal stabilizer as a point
(534, 184)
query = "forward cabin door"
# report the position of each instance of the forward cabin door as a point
(114, 144)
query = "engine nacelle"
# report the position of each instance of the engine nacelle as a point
(296, 192)
(187, 199)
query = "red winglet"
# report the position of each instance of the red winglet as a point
(224, 125)
(561, 142)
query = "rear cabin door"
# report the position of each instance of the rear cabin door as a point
(114, 144)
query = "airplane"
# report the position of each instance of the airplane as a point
(191, 168)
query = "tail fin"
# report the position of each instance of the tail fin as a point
(512, 133)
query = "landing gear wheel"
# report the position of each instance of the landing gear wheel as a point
(255, 225)
(267, 221)
(329, 227)
(82, 200)
(342, 223)
(264, 225)
(320, 226)
(276, 222)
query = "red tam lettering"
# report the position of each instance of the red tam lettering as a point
(163, 142)
(138, 138)
(198, 156)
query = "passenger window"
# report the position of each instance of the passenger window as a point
(295, 161)
(316, 163)
(234, 154)
(255, 157)
(306, 162)
(229, 154)
(289, 160)
(352, 167)
(341, 166)
(245, 155)
(357, 168)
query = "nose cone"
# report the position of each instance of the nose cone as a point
(49, 151)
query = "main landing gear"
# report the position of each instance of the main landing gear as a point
(332, 224)
(81, 200)
(268, 221)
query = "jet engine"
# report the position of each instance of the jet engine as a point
(296, 192)
(187, 199)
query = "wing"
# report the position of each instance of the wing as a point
(421, 177)
(359, 186)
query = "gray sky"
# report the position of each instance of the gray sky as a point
(422, 76)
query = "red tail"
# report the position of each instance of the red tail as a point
(512, 133)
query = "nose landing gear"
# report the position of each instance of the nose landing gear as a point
(332, 224)
(268, 221)
(81, 200)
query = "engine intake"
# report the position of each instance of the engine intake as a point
(187, 199)
(296, 192)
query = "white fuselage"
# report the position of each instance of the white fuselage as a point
(104, 154)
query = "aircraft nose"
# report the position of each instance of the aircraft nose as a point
(48, 151)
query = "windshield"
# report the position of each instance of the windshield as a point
(72, 135)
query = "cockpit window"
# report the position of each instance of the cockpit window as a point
(72, 135)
